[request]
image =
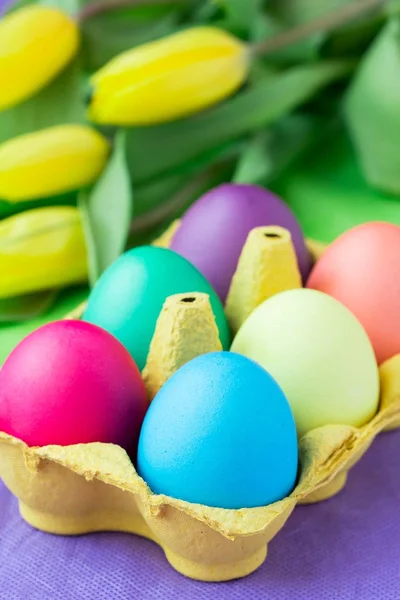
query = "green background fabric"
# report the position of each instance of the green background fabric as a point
(329, 194)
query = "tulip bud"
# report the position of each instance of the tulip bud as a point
(41, 249)
(51, 161)
(169, 78)
(36, 42)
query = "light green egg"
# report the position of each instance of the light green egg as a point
(320, 355)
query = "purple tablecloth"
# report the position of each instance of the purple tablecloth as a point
(346, 548)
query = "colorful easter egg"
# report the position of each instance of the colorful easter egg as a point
(128, 297)
(318, 353)
(70, 382)
(220, 432)
(361, 269)
(214, 230)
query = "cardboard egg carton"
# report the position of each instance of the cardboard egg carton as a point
(94, 487)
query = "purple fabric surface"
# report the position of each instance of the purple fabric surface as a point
(346, 548)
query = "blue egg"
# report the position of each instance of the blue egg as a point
(220, 432)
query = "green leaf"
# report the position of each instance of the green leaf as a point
(372, 110)
(242, 14)
(151, 224)
(327, 190)
(154, 150)
(354, 39)
(151, 195)
(7, 209)
(59, 102)
(260, 71)
(12, 333)
(110, 33)
(107, 212)
(224, 152)
(266, 26)
(270, 152)
(23, 308)
(253, 164)
(157, 191)
(287, 14)
(207, 11)
(296, 12)
(70, 7)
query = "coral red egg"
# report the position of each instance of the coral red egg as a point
(72, 382)
(361, 269)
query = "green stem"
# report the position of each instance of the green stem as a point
(323, 24)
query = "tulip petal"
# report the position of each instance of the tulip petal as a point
(51, 161)
(170, 78)
(41, 249)
(36, 42)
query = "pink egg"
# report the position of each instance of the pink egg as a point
(72, 382)
(361, 269)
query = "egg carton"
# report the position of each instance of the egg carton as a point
(85, 488)
(267, 267)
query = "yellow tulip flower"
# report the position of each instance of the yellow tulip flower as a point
(41, 249)
(51, 161)
(36, 42)
(169, 78)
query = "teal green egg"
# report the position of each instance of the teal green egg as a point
(128, 297)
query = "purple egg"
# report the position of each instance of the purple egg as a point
(213, 231)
